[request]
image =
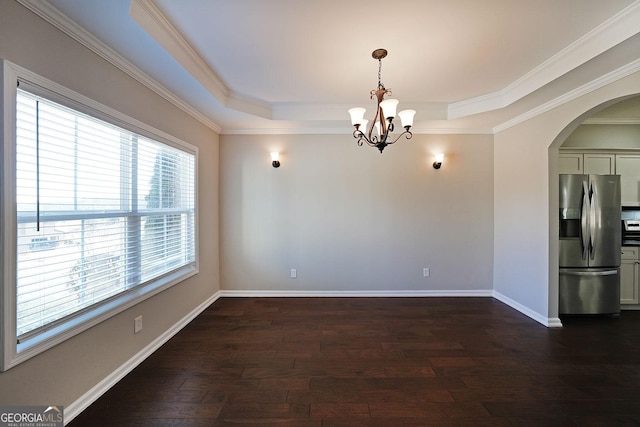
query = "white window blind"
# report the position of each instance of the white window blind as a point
(100, 211)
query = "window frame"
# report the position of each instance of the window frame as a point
(14, 353)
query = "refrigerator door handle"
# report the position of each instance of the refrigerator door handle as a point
(584, 220)
(593, 209)
(571, 272)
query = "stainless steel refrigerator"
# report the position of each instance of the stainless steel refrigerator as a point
(590, 239)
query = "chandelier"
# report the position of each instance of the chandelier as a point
(378, 134)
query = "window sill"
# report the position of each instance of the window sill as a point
(78, 324)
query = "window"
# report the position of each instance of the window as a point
(104, 216)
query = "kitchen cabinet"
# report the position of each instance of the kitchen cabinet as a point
(629, 275)
(587, 163)
(570, 163)
(628, 167)
(625, 164)
(600, 164)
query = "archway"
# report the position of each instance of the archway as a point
(554, 196)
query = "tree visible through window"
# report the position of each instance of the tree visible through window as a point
(162, 231)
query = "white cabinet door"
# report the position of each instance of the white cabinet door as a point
(599, 164)
(628, 167)
(628, 282)
(570, 163)
(629, 279)
(586, 163)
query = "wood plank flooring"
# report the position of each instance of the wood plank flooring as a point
(338, 362)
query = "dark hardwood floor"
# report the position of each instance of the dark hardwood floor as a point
(311, 362)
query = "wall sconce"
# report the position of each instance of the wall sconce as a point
(439, 160)
(274, 159)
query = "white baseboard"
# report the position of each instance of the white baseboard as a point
(72, 411)
(546, 321)
(554, 322)
(360, 294)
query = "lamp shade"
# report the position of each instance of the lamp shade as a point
(389, 107)
(275, 156)
(407, 117)
(357, 115)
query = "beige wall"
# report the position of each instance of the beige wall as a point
(64, 373)
(351, 219)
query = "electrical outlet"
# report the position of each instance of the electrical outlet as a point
(294, 273)
(137, 324)
(426, 272)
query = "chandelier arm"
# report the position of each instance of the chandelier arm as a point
(357, 134)
(362, 138)
(407, 134)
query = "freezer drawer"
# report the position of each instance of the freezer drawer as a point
(589, 291)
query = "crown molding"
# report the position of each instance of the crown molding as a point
(602, 81)
(615, 30)
(612, 121)
(618, 28)
(304, 111)
(46, 11)
(348, 131)
(620, 73)
(147, 14)
(154, 22)
(249, 105)
(289, 131)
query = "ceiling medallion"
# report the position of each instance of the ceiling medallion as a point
(378, 134)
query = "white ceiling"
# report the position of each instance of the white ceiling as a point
(258, 66)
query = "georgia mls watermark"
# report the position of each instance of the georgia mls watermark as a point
(31, 416)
